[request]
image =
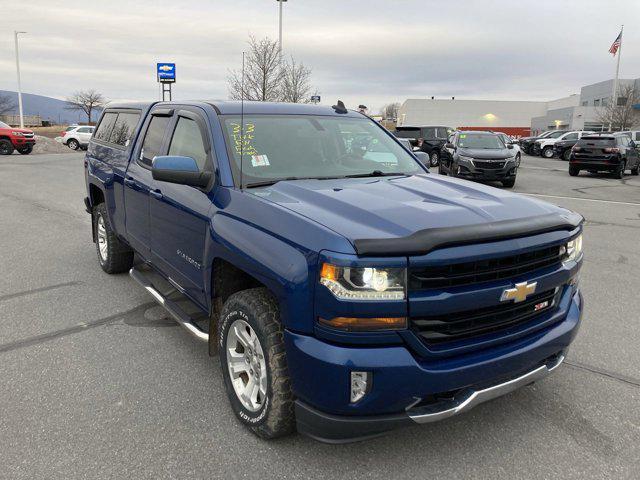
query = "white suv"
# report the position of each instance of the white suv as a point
(544, 146)
(77, 136)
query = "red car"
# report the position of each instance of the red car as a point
(18, 139)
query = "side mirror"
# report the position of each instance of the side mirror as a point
(510, 146)
(448, 145)
(422, 157)
(181, 170)
(633, 144)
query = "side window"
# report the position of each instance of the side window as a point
(123, 128)
(571, 136)
(187, 141)
(106, 125)
(84, 130)
(153, 139)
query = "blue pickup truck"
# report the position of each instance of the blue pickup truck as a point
(345, 290)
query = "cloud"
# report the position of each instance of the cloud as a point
(362, 51)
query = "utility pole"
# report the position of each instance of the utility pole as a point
(15, 34)
(280, 28)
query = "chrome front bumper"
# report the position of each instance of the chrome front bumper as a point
(467, 399)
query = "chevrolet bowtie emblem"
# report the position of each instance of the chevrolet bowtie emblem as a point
(519, 293)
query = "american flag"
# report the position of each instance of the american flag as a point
(616, 44)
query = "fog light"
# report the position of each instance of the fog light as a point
(360, 385)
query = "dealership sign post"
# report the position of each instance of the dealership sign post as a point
(166, 73)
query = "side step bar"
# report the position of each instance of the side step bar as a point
(172, 307)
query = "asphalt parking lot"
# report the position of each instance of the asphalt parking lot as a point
(95, 382)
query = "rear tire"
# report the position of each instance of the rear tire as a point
(547, 152)
(6, 147)
(434, 159)
(574, 171)
(620, 172)
(441, 170)
(113, 255)
(251, 338)
(567, 154)
(73, 144)
(636, 170)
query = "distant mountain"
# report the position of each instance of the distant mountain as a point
(48, 108)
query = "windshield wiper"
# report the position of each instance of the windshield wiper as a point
(268, 183)
(378, 173)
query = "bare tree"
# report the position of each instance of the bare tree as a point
(6, 104)
(296, 83)
(621, 115)
(86, 101)
(390, 111)
(263, 75)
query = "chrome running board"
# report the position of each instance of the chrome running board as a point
(469, 398)
(170, 306)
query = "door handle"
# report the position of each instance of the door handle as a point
(156, 194)
(129, 182)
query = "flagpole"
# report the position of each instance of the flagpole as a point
(615, 82)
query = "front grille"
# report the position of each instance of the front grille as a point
(489, 165)
(439, 329)
(468, 273)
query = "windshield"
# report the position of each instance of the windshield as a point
(480, 140)
(555, 134)
(4, 125)
(281, 147)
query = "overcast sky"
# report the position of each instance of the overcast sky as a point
(361, 51)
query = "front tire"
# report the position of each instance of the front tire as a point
(6, 147)
(434, 159)
(636, 170)
(620, 172)
(509, 183)
(26, 150)
(573, 171)
(547, 152)
(73, 144)
(254, 363)
(113, 255)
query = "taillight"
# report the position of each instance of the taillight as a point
(63, 134)
(611, 150)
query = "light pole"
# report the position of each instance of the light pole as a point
(280, 29)
(15, 33)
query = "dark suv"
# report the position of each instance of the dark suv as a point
(434, 137)
(614, 153)
(479, 156)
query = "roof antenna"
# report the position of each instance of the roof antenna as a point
(340, 108)
(242, 124)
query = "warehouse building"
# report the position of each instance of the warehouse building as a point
(518, 118)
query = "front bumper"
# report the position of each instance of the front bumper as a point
(20, 142)
(472, 171)
(409, 389)
(341, 429)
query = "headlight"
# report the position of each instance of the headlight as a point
(18, 134)
(467, 159)
(573, 249)
(364, 283)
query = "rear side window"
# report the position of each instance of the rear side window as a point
(571, 136)
(187, 141)
(106, 125)
(85, 130)
(153, 139)
(123, 128)
(429, 133)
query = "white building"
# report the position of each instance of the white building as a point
(575, 112)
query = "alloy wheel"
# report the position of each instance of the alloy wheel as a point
(102, 238)
(247, 365)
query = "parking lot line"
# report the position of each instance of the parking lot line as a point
(580, 198)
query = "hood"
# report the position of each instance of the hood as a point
(21, 130)
(393, 207)
(486, 153)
